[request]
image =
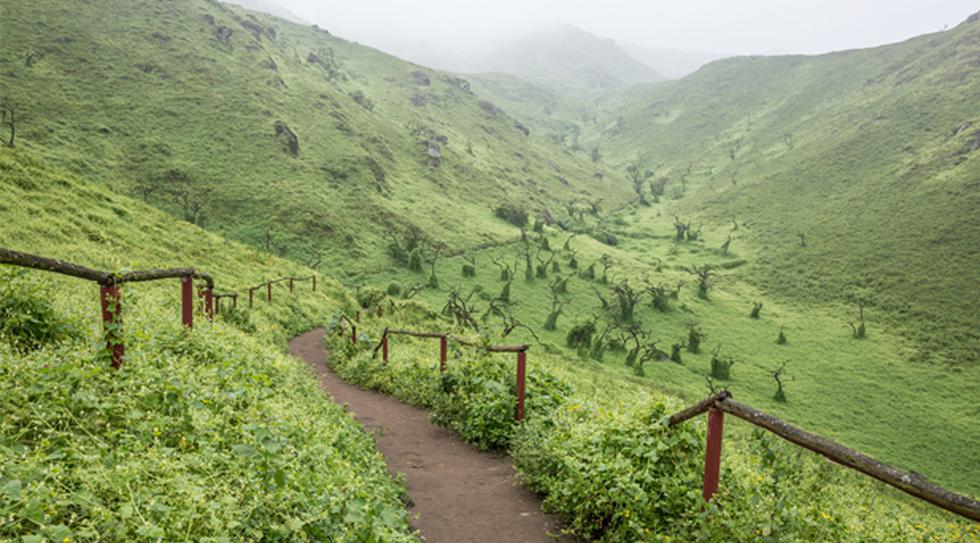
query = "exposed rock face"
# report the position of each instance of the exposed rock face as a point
(524, 130)
(223, 33)
(421, 78)
(460, 84)
(255, 28)
(973, 18)
(312, 58)
(548, 218)
(434, 152)
(418, 100)
(489, 108)
(288, 137)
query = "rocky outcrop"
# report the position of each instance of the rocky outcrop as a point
(288, 138)
(223, 33)
(421, 78)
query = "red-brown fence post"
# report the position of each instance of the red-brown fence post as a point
(712, 454)
(521, 377)
(442, 353)
(209, 303)
(110, 300)
(268, 294)
(187, 301)
(290, 285)
(314, 282)
(384, 348)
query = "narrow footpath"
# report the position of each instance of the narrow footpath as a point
(458, 493)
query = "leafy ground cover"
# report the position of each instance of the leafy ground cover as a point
(609, 464)
(208, 435)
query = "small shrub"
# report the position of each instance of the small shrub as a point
(675, 352)
(756, 308)
(27, 318)
(394, 289)
(694, 338)
(512, 213)
(469, 270)
(721, 367)
(781, 340)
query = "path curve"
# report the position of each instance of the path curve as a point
(458, 494)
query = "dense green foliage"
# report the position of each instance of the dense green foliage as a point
(204, 435)
(610, 466)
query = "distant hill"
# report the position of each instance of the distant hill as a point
(669, 62)
(856, 173)
(270, 7)
(566, 57)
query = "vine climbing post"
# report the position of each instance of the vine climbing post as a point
(442, 353)
(521, 377)
(110, 299)
(712, 455)
(187, 301)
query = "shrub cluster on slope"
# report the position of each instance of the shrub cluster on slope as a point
(599, 448)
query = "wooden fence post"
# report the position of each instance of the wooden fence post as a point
(111, 302)
(521, 378)
(353, 335)
(314, 282)
(209, 303)
(187, 301)
(290, 285)
(384, 348)
(268, 288)
(443, 348)
(712, 454)
(217, 306)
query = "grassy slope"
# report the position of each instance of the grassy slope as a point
(842, 388)
(154, 98)
(208, 436)
(873, 175)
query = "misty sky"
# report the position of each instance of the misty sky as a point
(455, 27)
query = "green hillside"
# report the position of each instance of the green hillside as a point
(803, 231)
(870, 154)
(567, 58)
(210, 435)
(190, 106)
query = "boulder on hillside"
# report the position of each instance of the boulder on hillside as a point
(489, 108)
(288, 137)
(421, 78)
(223, 33)
(524, 130)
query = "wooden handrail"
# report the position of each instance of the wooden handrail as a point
(462, 341)
(26, 260)
(911, 483)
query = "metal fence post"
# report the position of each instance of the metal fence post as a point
(110, 300)
(442, 353)
(521, 378)
(712, 455)
(187, 301)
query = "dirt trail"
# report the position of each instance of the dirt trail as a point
(459, 494)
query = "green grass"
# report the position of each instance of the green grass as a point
(210, 435)
(158, 104)
(842, 388)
